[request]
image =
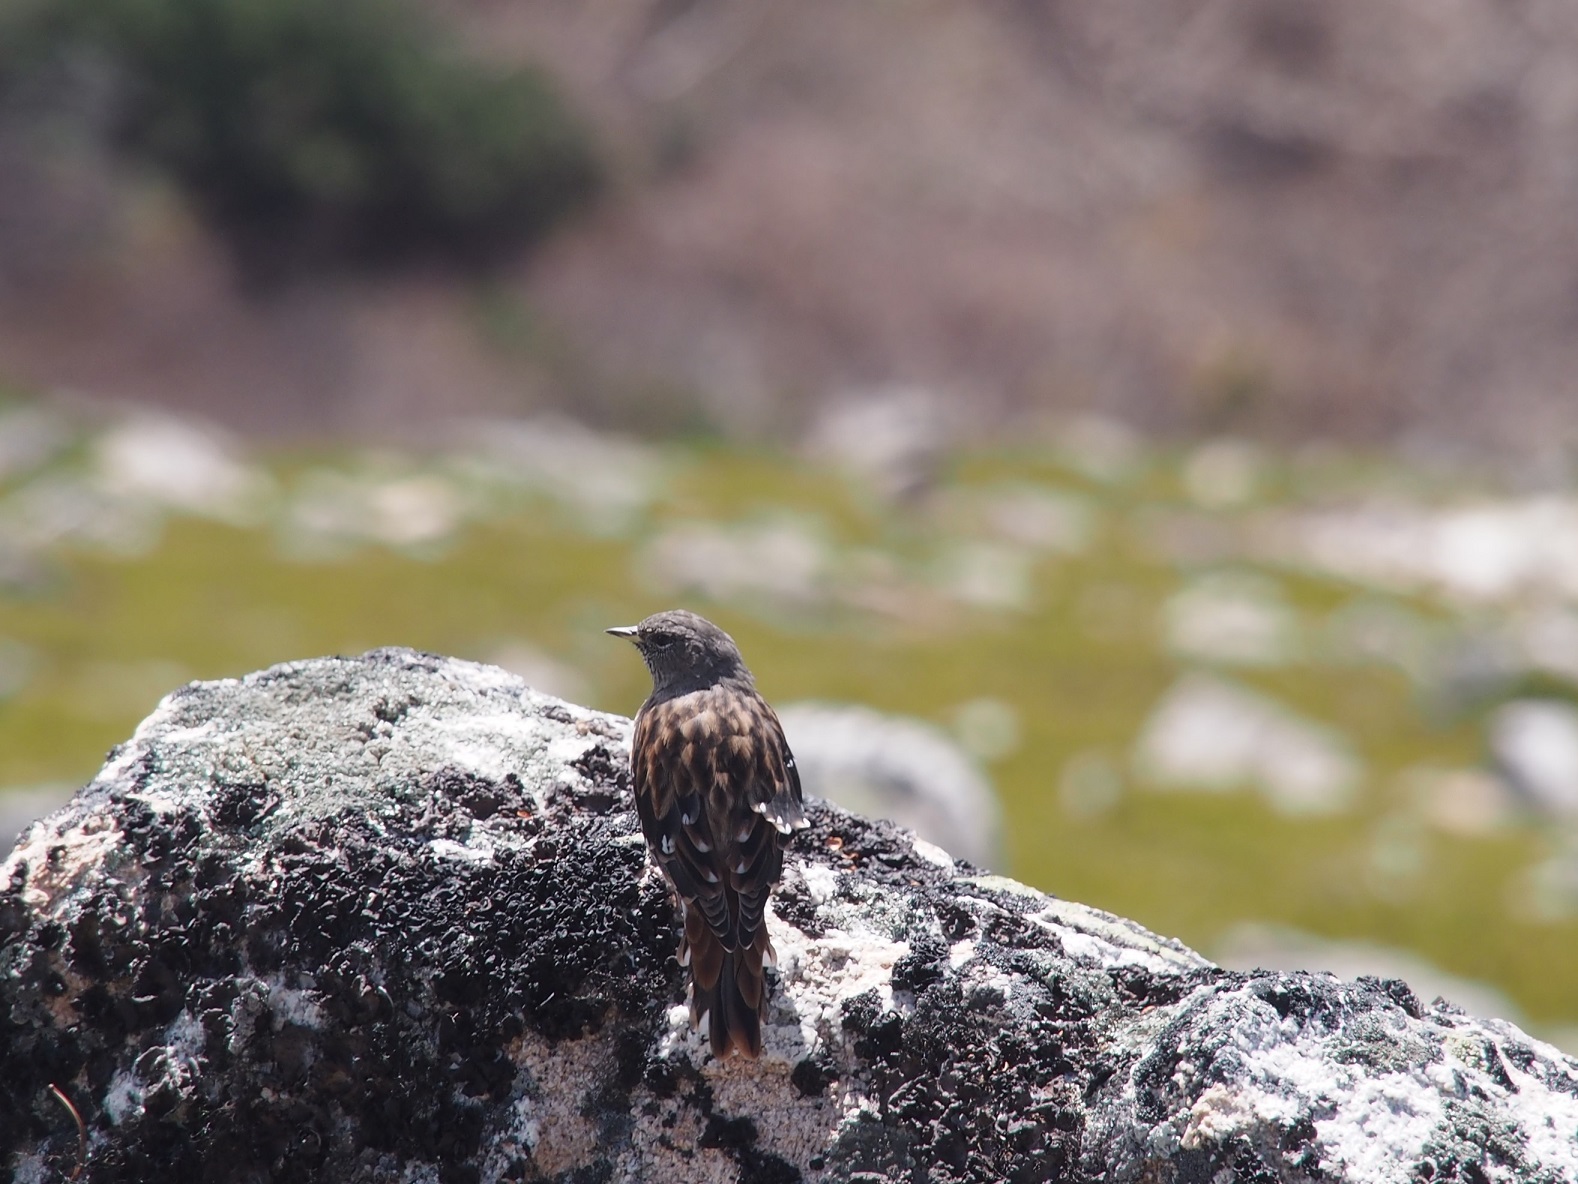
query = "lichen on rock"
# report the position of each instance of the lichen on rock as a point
(391, 918)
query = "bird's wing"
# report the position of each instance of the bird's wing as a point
(763, 806)
(670, 776)
(764, 767)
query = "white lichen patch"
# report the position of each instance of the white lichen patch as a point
(123, 1098)
(60, 856)
(1089, 948)
(292, 1005)
(1119, 942)
(1544, 1104)
(817, 976)
(477, 849)
(821, 881)
(490, 745)
(1374, 1119)
(1380, 1127)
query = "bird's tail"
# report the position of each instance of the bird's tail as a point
(727, 987)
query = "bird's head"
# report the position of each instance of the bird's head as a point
(685, 652)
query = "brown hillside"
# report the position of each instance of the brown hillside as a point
(1291, 217)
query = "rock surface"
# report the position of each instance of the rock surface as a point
(391, 918)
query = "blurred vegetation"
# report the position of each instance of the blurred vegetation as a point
(308, 130)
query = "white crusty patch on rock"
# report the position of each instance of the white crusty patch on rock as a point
(1096, 936)
(818, 975)
(1370, 1119)
(1381, 1125)
(548, 1117)
(1370, 1124)
(488, 746)
(176, 1063)
(1113, 941)
(1088, 948)
(292, 1005)
(821, 882)
(476, 849)
(84, 849)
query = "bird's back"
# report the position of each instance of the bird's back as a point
(717, 793)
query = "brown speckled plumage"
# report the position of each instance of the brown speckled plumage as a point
(718, 795)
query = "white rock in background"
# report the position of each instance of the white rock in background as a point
(1468, 802)
(178, 465)
(1254, 946)
(57, 508)
(895, 767)
(987, 727)
(540, 670)
(1235, 618)
(606, 481)
(984, 575)
(1484, 553)
(1029, 515)
(333, 511)
(1212, 735)
(786, 560)
(1090, 785)
(1548, 640)
(1534, 743)
(1223, 474)
(893, 437)
(1188, 538)
(1546, 892)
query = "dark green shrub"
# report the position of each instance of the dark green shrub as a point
(340, 127)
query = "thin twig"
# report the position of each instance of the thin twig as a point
(82, 1130)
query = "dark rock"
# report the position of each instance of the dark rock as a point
(391, 918)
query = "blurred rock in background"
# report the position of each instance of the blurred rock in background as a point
(1213, 736)
(886, 766)
(1534, 744)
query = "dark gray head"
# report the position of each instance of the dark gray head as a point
(685, 652)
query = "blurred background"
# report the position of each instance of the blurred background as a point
(1135, 443)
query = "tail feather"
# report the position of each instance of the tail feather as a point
(729, 991)
(734, 1018)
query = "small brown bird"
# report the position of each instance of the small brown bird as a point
(718, 795)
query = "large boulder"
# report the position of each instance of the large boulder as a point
(391, 918)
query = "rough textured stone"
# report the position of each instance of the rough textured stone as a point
(391, 918)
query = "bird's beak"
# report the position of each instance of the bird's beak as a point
(626, 631)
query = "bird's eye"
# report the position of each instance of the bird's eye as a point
(660, 641)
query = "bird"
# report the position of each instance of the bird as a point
(718, 795)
